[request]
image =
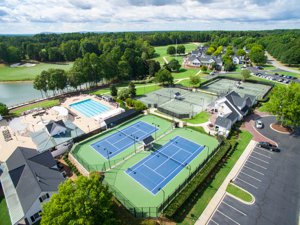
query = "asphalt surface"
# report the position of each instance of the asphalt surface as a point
(273, 179)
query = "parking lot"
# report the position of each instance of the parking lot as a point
(273, 179)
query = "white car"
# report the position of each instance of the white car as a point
(259, 124)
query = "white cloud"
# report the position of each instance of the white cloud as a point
(33, 16)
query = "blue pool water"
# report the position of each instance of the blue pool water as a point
(89, 107)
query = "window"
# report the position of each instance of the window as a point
(35, 216)
(44, 197)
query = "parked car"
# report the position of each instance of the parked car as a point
(212, 73)
(260, 67)
(280, 80)
(259, 124)
(276, 74)
(268, 146)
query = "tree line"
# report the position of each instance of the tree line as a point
(283, 44)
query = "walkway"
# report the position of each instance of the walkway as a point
(279, 65)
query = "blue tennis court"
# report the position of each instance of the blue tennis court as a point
(158, 169)
(117, 142)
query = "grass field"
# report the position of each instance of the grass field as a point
(44, 104)
(239, 193)
(28, 73)
(136, 194)
(141, 89)
(244, 139)
(4, 216)
(199, 118)
(93, 161)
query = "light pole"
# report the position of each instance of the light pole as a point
(164, 198)
(108, 157)
(155, 125)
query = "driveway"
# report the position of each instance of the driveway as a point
(273, 179)
(279, 65)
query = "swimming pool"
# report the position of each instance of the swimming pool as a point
(89, 107)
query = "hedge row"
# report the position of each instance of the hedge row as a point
(200, 178)
(70, 164)
(136, 104)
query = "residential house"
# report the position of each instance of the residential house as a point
(231, 108)
(28, 180)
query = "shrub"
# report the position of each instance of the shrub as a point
(124, 93)
(3, 109)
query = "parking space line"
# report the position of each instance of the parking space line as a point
(247, 183)
(256, 164)
(251, 176)
(214, 221)
(260, 159)
(235, 209)
(264, 150)
(262, 155)
(254, 170)
(228, 217)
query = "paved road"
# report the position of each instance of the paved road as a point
(279, 65)
(274, 180)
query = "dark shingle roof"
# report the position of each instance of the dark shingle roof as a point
(53, 124)
(223, 122)
(31, 173)
(233, 115)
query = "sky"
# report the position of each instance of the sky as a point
(36, 16)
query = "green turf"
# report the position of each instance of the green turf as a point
(44, 104)
(137, 195)
(289, 74)
(244, 139)
(239, 193)
(185, 73)
(28, 73)
(93, 161)
(269, 67)
(4, 216)
(201, 117)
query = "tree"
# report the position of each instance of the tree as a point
(257, 55)
(132, 90)
(240, 52)
(113, 90)
(124, 94)
(195, 80)
(3, 109)
(124, 69)
(210, 50)
(13, 54)
(180, 49)
(171, 50)
(83, 201)
(218, 52)
(285, 104)
(173, 65)
(153, 67)
(245, 74)
(164, 76)
(203, 68)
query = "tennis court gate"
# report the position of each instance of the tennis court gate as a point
(155, 212)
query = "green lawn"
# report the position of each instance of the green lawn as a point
(4, 216)
(185, 73)
(141, 89)
(269, 67)
(199, 118)
(44, 104)
(289, 74)
(28, 73)
(213, 187)
(239, 193)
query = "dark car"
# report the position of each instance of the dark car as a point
(276, 74)
(268, 146)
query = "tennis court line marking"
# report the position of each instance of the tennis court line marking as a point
(227, 217)
(262, 155)
(250, 176)
(177, 166)
(155, 171)
(259, 159)
(170, 157)
(234, 208)
(214, 221)
(246, 182)
(254, 170)
(256, 164)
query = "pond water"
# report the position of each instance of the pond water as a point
(17, 93)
